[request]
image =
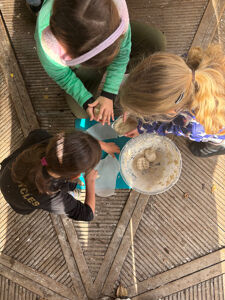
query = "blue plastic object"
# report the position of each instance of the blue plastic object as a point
(84, 124)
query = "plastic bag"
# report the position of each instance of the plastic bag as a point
(101, 132)
(108, 169)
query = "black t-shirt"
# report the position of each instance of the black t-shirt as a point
(25, 202)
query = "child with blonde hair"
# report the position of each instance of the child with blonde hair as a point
(170, 95)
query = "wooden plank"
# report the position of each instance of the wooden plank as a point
(125, 244)
(95, 237)
(36, 276)
(71, 263)
(209, 23)
(78, 255)
(16, 85)
(176, 273)
(11, 290)
(111, 253)
(222, 284)
(94, 290)
(184, 282)
(30, 284)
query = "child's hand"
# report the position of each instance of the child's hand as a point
(90, 112)
(91, 176)
(106, 109)
(110, 148)
(133, 133)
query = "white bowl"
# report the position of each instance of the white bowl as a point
(162, 174)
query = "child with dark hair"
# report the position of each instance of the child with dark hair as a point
(78, 41)
(44, 169)
(170, 95)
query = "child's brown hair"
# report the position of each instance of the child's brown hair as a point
(81, 25)
(155, 86)
(67, 155)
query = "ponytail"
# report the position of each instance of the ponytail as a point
(27, 168)
(208, 101)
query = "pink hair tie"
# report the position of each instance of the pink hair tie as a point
(44, 162)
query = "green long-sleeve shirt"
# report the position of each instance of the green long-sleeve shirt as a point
(64, 75)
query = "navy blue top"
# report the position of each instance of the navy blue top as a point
(24, 201)
(184, 124)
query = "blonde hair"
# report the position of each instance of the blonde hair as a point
(154, 86)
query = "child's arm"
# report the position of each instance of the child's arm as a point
(64, 203)
(162, 128)
(159, 128)
(116, 70)
(109, 148)
(114, 77)
(180, 126)
(90, 189)
(65, 78)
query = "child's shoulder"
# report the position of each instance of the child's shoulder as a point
(43, 18)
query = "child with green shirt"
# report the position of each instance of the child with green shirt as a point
(78, 41)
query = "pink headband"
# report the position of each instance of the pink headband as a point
(105, 44)
(44, 162)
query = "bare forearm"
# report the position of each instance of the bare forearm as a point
(109, 148)
(90, 194)
(102, 144)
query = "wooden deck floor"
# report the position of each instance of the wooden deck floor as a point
(162, 247)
